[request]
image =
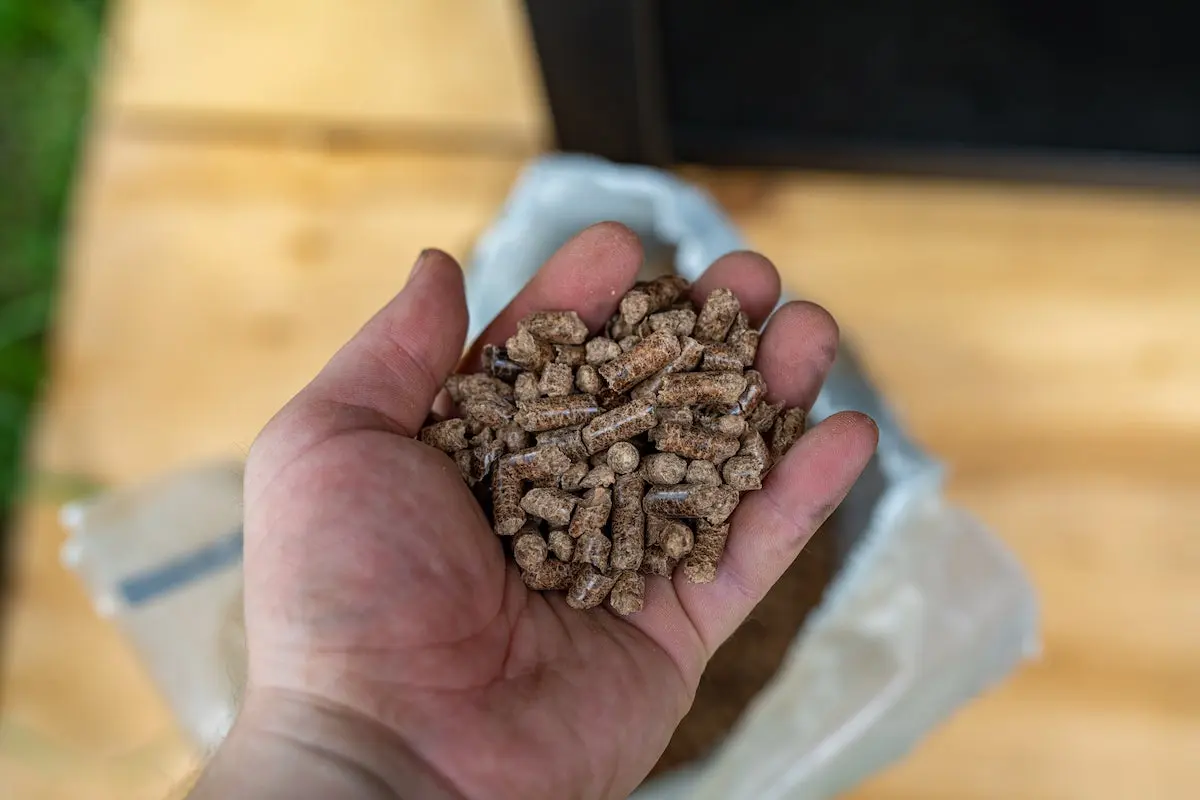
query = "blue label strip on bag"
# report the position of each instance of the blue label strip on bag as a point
(145, 586)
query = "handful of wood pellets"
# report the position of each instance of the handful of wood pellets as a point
(606, 458)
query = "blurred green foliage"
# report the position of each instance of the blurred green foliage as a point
(48, 54)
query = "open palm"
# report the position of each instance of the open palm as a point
(376, 590)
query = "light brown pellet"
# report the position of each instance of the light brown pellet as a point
(448, 435)
(588, 380)
(561, 544)
(725, 424)
(556, 327)
(600, 350)
(740, 324)
(701, 565)
(591, 512)
(786, 430)
(686, 499)
(574, 475)
(553, 505)
(678, 415)
(629, 342)
(656, 562)
(628, 594)
(742, 473)
(556, 381)
(726, 503)
(750, 398)
(552, 576)
(628, 522)
(676, 540)
(513, 436)
(635, 306)
(690, 353)
(497, 363)
(528, 350)
(485, 436)
(664, 469)
(589, 588)
(506, 502)
(568, 439)
(694, 443)
(548, 413)
(701, 388)
(573, 355)
(703, 472)
(593, 547)
(623, 458)
(618, 329)
(645, 358)
(599, 457)
(489, 409)
(654, 528)
(663, 290)
(525, 388)
(716, 316)
(529, 549)
(721, 358)
(535, 463)
(602, 475)
(460, 386)
(621, 423)
(753, 446)
(745, 344)
(680, 322)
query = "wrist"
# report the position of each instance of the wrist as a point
(285, 745)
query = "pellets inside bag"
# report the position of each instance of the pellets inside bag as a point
(618, 456)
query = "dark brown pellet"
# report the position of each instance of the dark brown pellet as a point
(656, 562)
(647, 357)
(529, 550)
(589, 588)
(721, 358)
(623, 458)
(574, 476)
(591, 512)
(448, 436)
(622, 423)
(628, 522)
(716, 316)
(628, 594)
(561, 544)
(556, 327)
(694, 443)
(488, 409)
(602, 475)
(535, 463)
(701, 565)
(588, 380)
(553, 505)
(593, 547)
(680, 322)
(786, 430)
(567, 439)
(549, 413)
(497, 363)
(700, 471)
(676, 540)
(664, 469)
(506, 502)
(686, 500)
(701, 388)
(573, 355)
(635, 306)
(552, 576)
(742, 473)
(556, 381)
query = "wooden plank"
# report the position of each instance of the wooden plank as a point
(423, 69)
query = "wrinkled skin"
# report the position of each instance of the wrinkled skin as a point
(378, 599)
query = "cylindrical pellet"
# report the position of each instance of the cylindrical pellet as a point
(528, 350)
(754, 447)
(740, 324)
(726, 503)
(686, 499)
(680, 415)
(623, 458)
(635, 305)
(600, 350)
(629, 342)
(701, 471)
(754, 393)
(556, 327)
(681, 322)
(553, 505)
(693, 443)
(448, 435)
(745, 344)
(567, 439)
(588, 380)
(535, 463)
(553, 575)
(676, 540)
(628, 523)
(593, 547)
(701, 388)
(628, 594)
(617, 328)
(488, 409)
(742, 473)
(529, 550)
(716, 316)
(460, 386)
(591, 512)
(690, 352)
(654, 528)
(721, 358)
(656, 562)
(764, 416)
(513, 436)
(574, 475)
(556, 381)
(525, 388)
(664, 469)
(497, 363)
(602, 475)
(549, 413)
(663, 290)
(701, 564)
(561, 544)
(589, 588)
(483, 457)
(506, 502)
(622, 423)
(644, 359)
(786, 430)
(573, 355)
(725, 424)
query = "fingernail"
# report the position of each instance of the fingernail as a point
(419, 265)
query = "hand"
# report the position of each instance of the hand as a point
(386, 633)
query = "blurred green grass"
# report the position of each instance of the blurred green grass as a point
(48, 54)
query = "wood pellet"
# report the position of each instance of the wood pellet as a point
(616, 456)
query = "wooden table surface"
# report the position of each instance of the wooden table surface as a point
(262, 173)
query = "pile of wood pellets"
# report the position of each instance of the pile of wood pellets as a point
(603, 459)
